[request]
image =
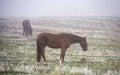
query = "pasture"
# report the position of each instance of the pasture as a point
(18, 53)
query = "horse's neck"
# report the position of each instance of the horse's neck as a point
(75, 39)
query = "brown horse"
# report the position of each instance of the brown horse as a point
(27, 30)
(62, 40)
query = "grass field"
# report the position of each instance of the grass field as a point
(18, 53)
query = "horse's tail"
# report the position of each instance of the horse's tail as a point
(38, 52)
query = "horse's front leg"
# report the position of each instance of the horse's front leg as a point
(62, 54)
(26, 33)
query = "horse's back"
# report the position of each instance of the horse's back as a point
(50, 36)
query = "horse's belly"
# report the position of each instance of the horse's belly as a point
(54, 46)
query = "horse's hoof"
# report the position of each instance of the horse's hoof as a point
(61, 62)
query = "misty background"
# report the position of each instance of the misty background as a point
(36, 8)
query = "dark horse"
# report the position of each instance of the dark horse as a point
(62, 40)
(27, 30)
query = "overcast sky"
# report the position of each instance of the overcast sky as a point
(37, 8)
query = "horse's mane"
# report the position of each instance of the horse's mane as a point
(72, 37)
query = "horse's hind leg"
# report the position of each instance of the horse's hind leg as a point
(43, 54)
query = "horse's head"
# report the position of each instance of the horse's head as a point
(83, 43)
(30, 31)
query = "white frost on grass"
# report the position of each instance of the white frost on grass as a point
(74, 69)
(26, 68)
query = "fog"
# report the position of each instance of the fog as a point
(36, 8)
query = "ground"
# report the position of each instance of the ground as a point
(18, 53)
